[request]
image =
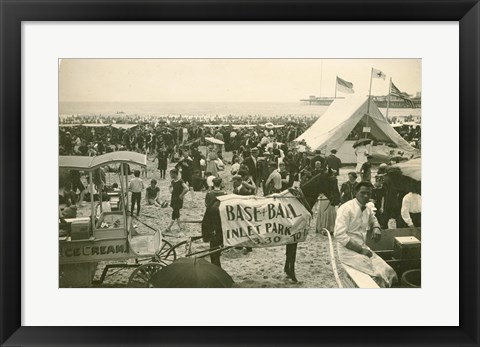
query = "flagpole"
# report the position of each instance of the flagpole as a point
(321, 77)
(369, 92)
(388, 102)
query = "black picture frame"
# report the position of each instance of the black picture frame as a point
(466, 12)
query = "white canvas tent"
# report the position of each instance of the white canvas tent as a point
(344, 115)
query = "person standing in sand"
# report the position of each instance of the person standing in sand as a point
(186, 167)
(211, 223)
(211, 196)
(361, 152)
(212, 161)
(162, 156)
(347, 189)
(136, 187)
(242, 188)
(251, 161)
(178, 188)
(333, 163)
(366, 170)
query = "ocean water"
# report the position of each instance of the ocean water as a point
(209, 109)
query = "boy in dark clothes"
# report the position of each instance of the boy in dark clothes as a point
(178, 188)
(366, 170)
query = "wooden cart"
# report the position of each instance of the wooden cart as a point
(108, 236)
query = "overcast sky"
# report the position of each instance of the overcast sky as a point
(226, 80)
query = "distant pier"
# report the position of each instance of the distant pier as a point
(381, 101)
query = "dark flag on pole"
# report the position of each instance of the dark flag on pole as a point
(344, 86)
(404, 96)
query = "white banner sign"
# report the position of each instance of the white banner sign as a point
(252, 221)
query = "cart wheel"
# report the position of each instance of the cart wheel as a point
(166, 255)
(180, 249)
(140, 277)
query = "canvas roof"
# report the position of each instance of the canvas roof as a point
(91, 163)
(411, 168)
(124, 126)
(344, 115)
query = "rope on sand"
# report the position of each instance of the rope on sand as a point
(332, 259)
(150, 227)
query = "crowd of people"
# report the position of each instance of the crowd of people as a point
(264, 160)
(151, 137)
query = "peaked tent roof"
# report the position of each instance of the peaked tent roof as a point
(342, 116)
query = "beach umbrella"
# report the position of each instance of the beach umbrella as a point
(361, 142)
(214, 140)
(411, 168)
(191, 273)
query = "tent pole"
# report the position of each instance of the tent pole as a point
(369, 97)
(336, 82)
(388, 102)
(321, 76)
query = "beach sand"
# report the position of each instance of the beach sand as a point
(262, 268)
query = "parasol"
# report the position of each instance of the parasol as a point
(214, 140)
(411, 168)
(361, 142)
(191, 273)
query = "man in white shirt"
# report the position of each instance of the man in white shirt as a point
(210, 179)
(136, 187)
(235, 166)
(274, 181)
(412, 209)
(353, 220)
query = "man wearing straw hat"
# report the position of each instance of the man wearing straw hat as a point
(252, 163)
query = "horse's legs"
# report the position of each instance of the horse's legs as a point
(291, 255)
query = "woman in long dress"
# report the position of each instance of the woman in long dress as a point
(361, 152)
(326, 214)
(162, 156)
(212, 161)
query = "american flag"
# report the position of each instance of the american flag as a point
(404, 96)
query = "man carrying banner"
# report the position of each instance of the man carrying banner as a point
(211, 223)
(240, 189)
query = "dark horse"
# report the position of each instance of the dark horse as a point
(325, 183)
(307, 195)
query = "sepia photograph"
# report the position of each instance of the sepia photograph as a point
(239, 173)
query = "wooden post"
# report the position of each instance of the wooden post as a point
(92, 202)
